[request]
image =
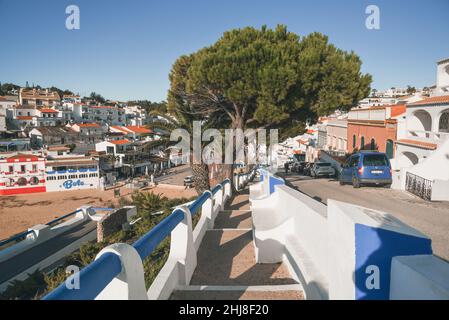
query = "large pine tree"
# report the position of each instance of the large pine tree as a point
(253, 78)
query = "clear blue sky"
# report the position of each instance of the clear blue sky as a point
(125, 49)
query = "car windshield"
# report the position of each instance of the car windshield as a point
(322, 164)
(375, 160)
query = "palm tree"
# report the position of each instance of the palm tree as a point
(169, 122)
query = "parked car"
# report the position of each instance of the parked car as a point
(300, 167)
(322, 169)
(366, 168)
(188, 182)
(307, 168)
(295, 166)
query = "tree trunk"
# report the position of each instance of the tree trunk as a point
(200, 177)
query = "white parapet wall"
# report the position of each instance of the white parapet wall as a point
(341, 251)
(42, 233)
(184, 246)
(422, 277)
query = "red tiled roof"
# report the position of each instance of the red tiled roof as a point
(23, 157)
(88, 125)
(432, 100)
(47, 110)
(24, 118)
(139, 129)
(421, 144)
(398, 109)
(120, 142)
(311, 131)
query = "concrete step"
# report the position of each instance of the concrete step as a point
(239, 201)
(233, 219)
(226, 257)
(284, 292)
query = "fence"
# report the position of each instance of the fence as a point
(418, 186)
(117, 272)
(21, 236)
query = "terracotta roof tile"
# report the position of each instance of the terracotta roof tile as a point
(120, 142)
(398, 109)
(88, 125)
(139, 129)
(421, 144)
(24, 118)
(48, 110)
(432, 100)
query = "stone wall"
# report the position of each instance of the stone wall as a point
(111, 223)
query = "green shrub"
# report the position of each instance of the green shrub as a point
(39, 283)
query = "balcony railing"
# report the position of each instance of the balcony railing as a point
(430, 136)
(109, 264)
(419, 186)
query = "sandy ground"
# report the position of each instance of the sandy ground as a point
(18, 213)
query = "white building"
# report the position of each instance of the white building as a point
(134, 133)
(71, 98)
(105, 114)
(22, 173)
(68, 172)
(442, 85)
(337, 136)
(422, 151)
(135, 115)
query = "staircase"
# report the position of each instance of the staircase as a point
(227, 269)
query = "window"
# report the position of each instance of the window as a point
(34, 167)
(375, 160)
(354, 161)
(362, 143)
(373, 144)
(11, 169)
(323, 164)
(22, 168)
(34, 181)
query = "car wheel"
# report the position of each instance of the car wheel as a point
(388, 185)
(355, 183)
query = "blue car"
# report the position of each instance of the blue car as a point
(366, 168)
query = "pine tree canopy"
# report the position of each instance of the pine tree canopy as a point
(268, 78)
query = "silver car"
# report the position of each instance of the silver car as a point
(322, 169)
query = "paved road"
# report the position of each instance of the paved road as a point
(177, 178)
(21, 262)
(430, 218)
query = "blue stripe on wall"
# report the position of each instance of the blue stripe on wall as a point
(376, 246)
(273, 182)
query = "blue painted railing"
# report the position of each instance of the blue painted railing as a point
(216, 188)
(15, 238)
(97, 275)
(22, 235)
(63, 217)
